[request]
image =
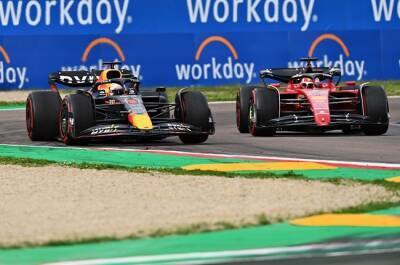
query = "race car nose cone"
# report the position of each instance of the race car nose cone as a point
(322, 119)
(140, 121)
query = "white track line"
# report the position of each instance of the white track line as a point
(238, 253)
(253, 157)
(12, 109)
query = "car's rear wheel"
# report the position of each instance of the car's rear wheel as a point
(76, 115)
(264, 106)
(376, 108)
(242, 108)
(195, 111)
(41, 115)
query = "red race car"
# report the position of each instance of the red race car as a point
(311, 101)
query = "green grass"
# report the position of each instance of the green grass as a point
(29, 162)
(228, 93)
(11, 103)
(213, 93)
(392, 87)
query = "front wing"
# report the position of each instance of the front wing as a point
(159, 130)
(337, 121)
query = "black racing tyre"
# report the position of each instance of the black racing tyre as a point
(242, 108)
(76, 115)
(376, 107)
(42, 114)
(264, 106)
(195, 111)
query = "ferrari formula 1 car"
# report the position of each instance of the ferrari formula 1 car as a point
(109, 104)
(311, 101)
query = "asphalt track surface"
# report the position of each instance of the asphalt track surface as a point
(227, 140)
(390, 258)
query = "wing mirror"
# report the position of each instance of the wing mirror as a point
(277, 85)
(335, 72)
(350, 83)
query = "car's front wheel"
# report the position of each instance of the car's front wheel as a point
(376, 108)
(194, 110)
(264, 106)
(76, 115)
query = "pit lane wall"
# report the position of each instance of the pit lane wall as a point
(196, 42)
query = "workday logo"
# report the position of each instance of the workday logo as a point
(228, 68)
(385, 10)
(99, 64)
(10, 74)
(349, 66)
(66, 13)
(298, 12)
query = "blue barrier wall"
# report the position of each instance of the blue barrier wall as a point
(196, 42)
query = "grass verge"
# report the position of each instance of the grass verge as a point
(228, 93)
(29, 162)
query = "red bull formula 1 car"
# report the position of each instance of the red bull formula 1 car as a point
(109, 104)
(311, 101)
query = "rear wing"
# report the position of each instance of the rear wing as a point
(80, 78)
(285, 74)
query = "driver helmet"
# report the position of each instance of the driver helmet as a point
(307, 82)
(115, 89)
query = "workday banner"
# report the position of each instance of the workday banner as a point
(196, 42)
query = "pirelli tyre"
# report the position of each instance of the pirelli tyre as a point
(264, 106)
(194, 110)
(42, 114)
(76, 115)
(376, 108)
(242, 108)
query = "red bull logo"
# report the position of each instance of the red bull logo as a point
(99, 64)
(349, 67)
(214, 69)
(9, 74)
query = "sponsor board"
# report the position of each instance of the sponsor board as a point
(385, 10)
(216, 68)
(65, 13)
(349, 66)
(253, 11)
(11, 74)
(197, 42)
(114, 46)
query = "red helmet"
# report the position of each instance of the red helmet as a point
(307, 82)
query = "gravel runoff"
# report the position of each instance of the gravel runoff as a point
(43, 204)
